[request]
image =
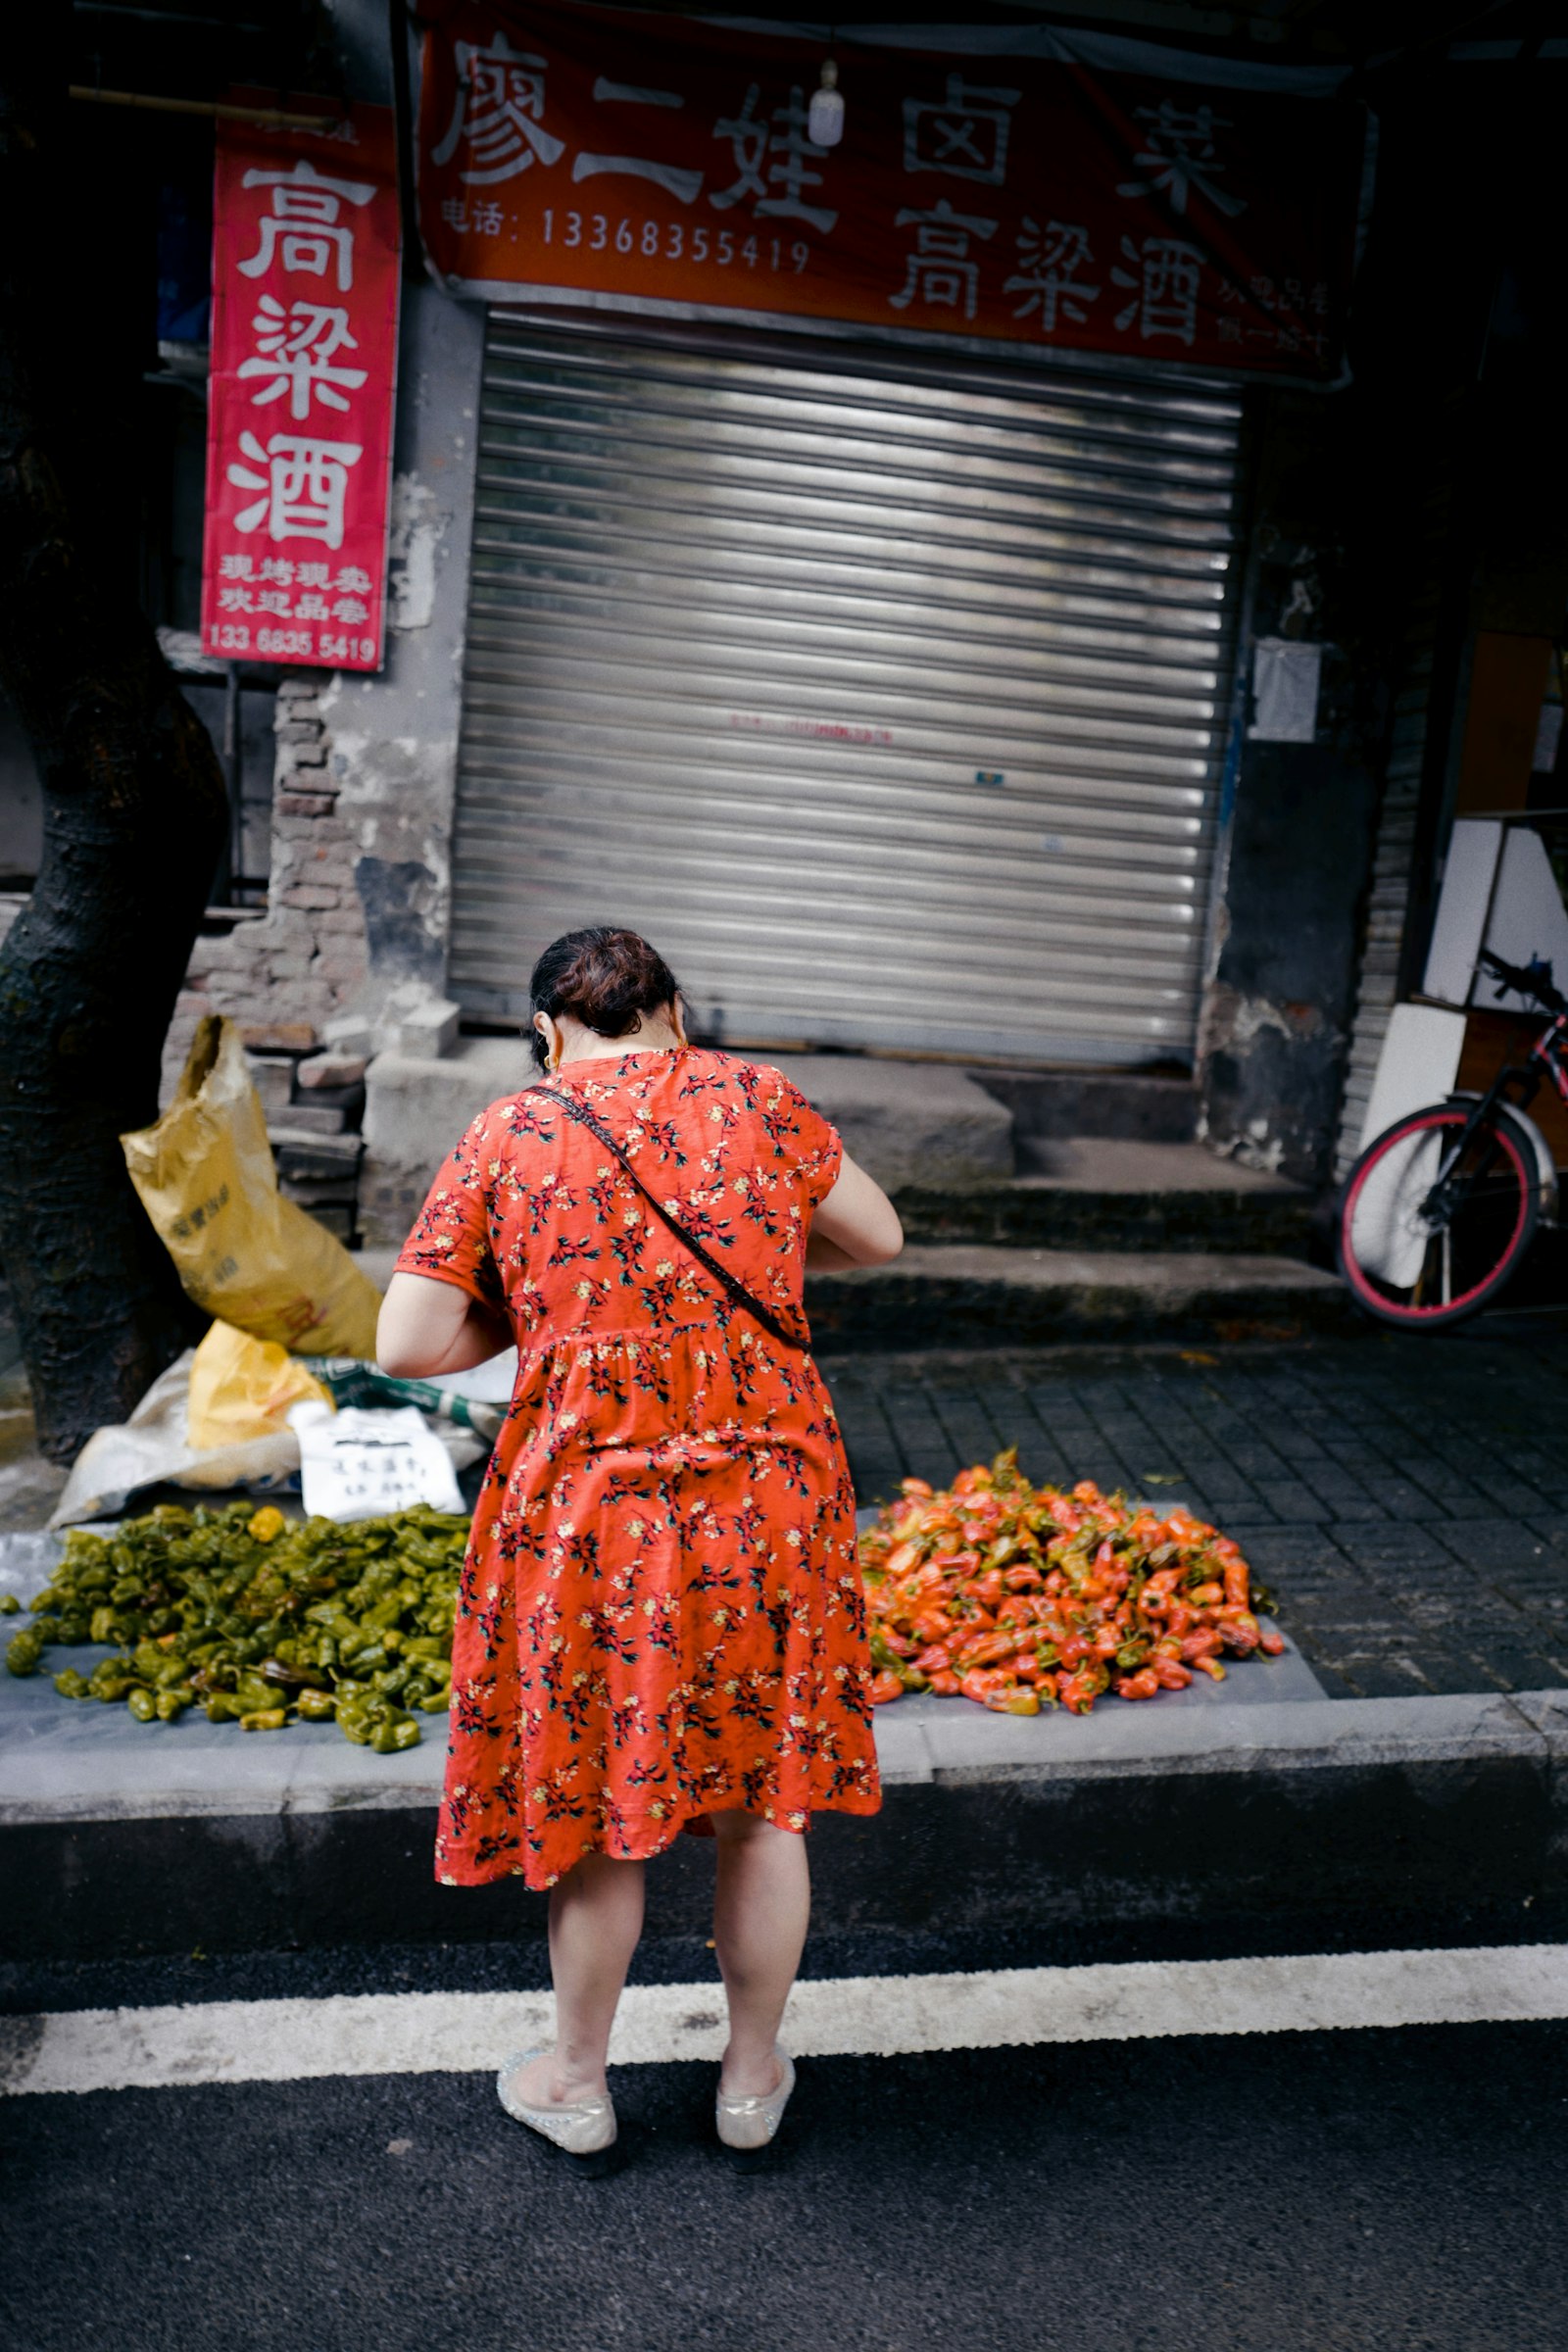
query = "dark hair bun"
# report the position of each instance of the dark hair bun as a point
(605, 978)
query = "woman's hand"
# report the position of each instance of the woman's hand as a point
(857, 1225)
(429, 1327)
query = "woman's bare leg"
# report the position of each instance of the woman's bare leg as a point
(596, 1916)
(762, 1906)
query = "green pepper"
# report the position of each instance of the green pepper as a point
(393, 1736)
(264, 1719)
(352, 1623)
(23, 1654)
(9, 1605)
(72, 1685)
(141, 1702)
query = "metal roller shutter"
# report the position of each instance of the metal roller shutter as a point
(886, 694)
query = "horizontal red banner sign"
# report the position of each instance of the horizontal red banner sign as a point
(665, 166)
(304, 370)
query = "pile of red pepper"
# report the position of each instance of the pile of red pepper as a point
(1013, 1594)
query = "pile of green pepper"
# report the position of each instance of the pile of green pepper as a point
(259, 1619)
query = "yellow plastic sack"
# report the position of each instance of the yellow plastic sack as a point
(206, 1178)
(242, 1388)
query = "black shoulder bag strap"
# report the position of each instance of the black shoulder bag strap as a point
(722, 1274)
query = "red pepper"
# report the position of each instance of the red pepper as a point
(1144, 1684)
(933, 1625)
(988, 1587)
(980, 1682)
(1077, 1691)
(1012, 1702)
(885, 1686)
(987, 1651)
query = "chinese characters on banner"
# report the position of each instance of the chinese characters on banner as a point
(608, 159)
(304, 368)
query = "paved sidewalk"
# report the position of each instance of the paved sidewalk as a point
(1405, 1499)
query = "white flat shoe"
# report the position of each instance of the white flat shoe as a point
(752, 2123)
(587, 2127)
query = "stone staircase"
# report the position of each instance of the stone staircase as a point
(1089, 1213)
(1039, 1207)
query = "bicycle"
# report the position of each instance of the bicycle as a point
(1441, 1208)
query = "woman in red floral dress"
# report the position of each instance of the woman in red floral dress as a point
(660, 1624)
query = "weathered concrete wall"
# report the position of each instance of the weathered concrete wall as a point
(358, 906)
(1298, 849)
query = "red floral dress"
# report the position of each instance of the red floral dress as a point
(660, 1612)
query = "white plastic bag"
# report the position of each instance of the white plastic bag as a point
(362, 1462)
(153, 1444)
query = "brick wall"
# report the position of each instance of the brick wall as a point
(285, 976)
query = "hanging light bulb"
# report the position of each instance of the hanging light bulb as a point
(825, 123)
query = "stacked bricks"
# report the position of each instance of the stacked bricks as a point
(285, 976)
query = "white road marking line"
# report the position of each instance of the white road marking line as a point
(460, 2032)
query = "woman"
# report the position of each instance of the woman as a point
(660, 1624)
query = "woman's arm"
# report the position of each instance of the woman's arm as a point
(428, 1327)
(857, 1225)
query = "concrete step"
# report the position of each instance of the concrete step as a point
(977, 1296)
(1135, 1105)
(1100, 1192)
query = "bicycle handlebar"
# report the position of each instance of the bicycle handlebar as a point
(1532, 979)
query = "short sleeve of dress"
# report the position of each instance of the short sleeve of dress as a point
(810, 1141)
(451, 1236)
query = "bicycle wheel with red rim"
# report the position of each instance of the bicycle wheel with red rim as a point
(1432, 1221)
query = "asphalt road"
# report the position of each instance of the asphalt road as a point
(1318, 2192)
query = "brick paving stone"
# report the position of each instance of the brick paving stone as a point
(1515, 1666)
(1288, 1498)
(1498, 1543)
(1389, 1676)
(1387, 1542)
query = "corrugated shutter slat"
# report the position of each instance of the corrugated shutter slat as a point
(751, 628)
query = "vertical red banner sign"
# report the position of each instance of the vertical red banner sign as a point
(300, 405)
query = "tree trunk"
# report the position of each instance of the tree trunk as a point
(135, 813)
